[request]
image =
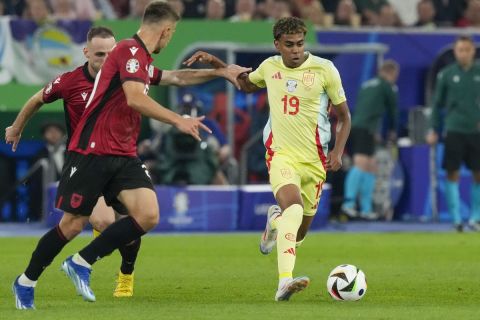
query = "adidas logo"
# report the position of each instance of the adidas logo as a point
(277, 75)
(291, 251)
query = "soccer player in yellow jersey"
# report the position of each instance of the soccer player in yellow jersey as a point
(300, 89)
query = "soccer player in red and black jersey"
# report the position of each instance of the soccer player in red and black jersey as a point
(103, 153)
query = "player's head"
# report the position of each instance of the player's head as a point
(161, 19)
(464, 50)
(289, 34)
(389, 71)
(100, 41)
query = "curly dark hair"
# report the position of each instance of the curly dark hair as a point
(290, 25)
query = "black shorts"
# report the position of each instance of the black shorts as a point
(461, 147)
(362, 141)
(87, 177)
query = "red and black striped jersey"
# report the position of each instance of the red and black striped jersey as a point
(108, 125)
(74, 89)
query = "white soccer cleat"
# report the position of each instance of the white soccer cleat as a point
(269, 236)
(293, 286)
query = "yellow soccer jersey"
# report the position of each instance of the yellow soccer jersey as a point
(298, 99)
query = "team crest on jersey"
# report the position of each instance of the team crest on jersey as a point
(132, 65)
(291, 85)
(308, 78)
(286, 173)
(48, 89)
(76, 200)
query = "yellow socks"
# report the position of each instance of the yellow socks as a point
(96, 233)
(287, 225)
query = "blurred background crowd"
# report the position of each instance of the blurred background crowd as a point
(323, 13)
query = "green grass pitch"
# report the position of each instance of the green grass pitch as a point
(223, 276)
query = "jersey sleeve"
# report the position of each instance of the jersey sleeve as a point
(155, 75)
(54, 90)
(132, 65)
(438, 98)
(257, 77)
(333, 85)
(392, 106)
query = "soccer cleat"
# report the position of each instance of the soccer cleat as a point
(80, 277)
(269, 236)
(124, 285)
(349, 212)
(458, 227)
(23, 296)
(474, 225)
(370, 216)
(291, 287)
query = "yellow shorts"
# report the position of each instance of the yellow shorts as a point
(307, 176)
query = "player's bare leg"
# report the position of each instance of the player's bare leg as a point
(288, 224)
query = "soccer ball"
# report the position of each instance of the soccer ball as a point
(347, 283)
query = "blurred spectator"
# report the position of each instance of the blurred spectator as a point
(137, 7)
(279, 9)
(447, 12)
(426, 14)
(310, 10)
(346, 14)
(406, 10)
(63, 9)
(105, 9)
(330, 6)
(256, 164)
(13, 7)
(121, 7)
(178, 6)
(37, 11)
(388, 17)
(215, 10)
(2, 9)
(182, 160)
(53, 134)
(244, 11)
(471, 16)
(370, 9)
(195, 8)
(69, 9)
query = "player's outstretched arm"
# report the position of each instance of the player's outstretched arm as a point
(334, 157)
(245, 84)
(13, 133)
(142, 103)
(187, 77)
(207, 58)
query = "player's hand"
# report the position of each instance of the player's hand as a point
(12, 136)
(334, 161)
(431, 138)
(233, 72)
(192, 126)
(200, 56)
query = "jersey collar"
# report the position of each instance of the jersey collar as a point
(86, 73)
(140, 42)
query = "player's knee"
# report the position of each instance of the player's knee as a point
(148, 218)
(100, 223)
(71, 226)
